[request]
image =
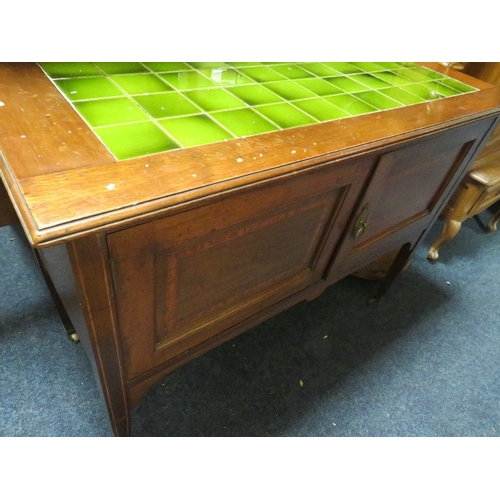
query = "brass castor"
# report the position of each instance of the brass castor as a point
(74, 337)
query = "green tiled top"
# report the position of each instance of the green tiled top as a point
(138, 109)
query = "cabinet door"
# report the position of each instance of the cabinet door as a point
(182, 279)
(409, 187)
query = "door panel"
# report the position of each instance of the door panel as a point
(409, 187)
(210, 268)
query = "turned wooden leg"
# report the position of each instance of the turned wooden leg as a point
(400, 262)
(450, 230)
(492, 223)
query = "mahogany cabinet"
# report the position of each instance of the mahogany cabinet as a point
(158, 259)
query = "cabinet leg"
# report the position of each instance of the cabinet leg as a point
(400, 262)
(92, 273)
(492, 223)
(450, 230)
(68, 325)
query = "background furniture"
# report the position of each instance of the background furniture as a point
(158, 259)
(480, 189)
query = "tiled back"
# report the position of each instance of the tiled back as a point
(138, 109)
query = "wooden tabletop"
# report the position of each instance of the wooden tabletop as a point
(64, 183)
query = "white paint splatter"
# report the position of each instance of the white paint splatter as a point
(293, 151)
(110, 186)
(239, 160)
(194, 175)
(2, 104)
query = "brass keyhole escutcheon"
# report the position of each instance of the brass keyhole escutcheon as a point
(361, 229)
(361, 223)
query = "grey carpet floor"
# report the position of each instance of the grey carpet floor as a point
(423, 362)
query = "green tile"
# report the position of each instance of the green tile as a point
(121, 68)
(187, 80)
(441, 89)
(454, 84)
(402, 96)
(285, 115)
(392, 78)
(165, 105)
(261, 74)
(429, 74)
(370, 81)
(244, 64)
(137, 139)
(255, 94)
(290, 71)
(70, 69)
(321, 109)
(226, 76)
(409, 65)
(378, 100)
(78, 89)
(343, 67)
(319, 86)
(347, 84)
(411, 75)
(164, 67)
(214, 99)
(350, 104)
(141, 84)
(289, 90)
(244, 122)
(110, 111)
(194, 130)
(425, 93)
(389, 65)
(319, 69)
(367, 66)
(208, 65)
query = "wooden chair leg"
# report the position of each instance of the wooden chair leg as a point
(492, 223)
(450, 230)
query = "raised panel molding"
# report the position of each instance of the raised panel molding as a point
(196, 284)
